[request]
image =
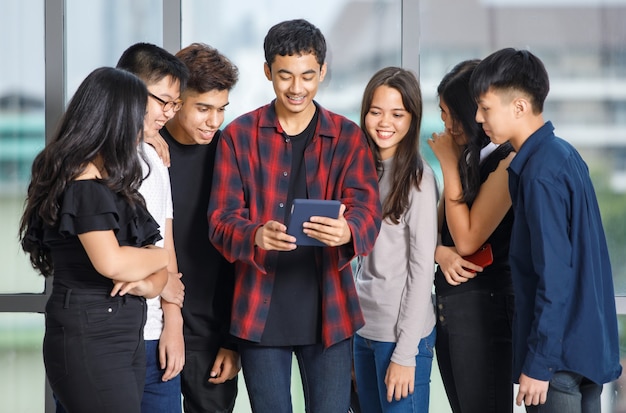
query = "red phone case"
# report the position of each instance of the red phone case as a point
(482, 257)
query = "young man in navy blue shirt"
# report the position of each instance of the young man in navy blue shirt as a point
(565, 338)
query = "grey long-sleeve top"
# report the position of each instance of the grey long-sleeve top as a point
(396, 280)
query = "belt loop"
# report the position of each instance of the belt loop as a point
(68, 293)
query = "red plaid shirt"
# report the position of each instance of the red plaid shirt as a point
(250, 185)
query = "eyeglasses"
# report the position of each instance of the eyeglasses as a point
(172, 104)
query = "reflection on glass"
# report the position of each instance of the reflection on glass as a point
(21, 131)
(23, 378)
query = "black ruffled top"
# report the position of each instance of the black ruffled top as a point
(89, 205)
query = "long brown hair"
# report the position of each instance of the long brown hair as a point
(408, 165)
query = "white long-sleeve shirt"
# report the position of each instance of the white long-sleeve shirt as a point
(396, 281)
(158, 195)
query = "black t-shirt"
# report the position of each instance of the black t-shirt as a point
(207, 276)
(294, 316)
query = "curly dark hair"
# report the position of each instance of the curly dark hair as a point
(208, 68)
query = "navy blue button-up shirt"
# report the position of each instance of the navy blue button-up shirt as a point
(564, 300)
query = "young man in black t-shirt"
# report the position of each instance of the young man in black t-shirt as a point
(209, 382)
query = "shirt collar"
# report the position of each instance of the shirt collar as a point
(325, 123)
(530, 146)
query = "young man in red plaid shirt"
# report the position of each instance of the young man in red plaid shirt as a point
(293, 299)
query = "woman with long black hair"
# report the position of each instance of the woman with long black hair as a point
(474, 309)
(85, 223)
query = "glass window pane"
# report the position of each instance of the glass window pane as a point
(21, 131)
(586, 67)
(362, 37)
(22, 382)
(98, 31)
(614, 394)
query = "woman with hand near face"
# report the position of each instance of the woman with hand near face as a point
(474, 304)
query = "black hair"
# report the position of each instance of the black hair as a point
(510, 69)
(408, 165)
(294, 37)
(103, 124)
(454, 90)
(152, 63)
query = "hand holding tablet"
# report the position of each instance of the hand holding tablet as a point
(302, 210)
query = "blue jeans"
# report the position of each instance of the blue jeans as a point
(325, 374)
(371, 360)
(572, 393)
(159, 396)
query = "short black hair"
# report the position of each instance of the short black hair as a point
(512, 69)
(152, 63)
(294, 37)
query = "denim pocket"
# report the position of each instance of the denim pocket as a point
(54, 354)
(102, 312)
(565, 381)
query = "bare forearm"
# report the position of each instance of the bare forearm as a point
(121, 263)
(172, 315)
(134, 264)
(154, 284)
(457, 213)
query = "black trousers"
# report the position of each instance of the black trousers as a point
(200, 396)
(94, 351)
(474, 351)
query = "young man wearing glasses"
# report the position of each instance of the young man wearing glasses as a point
(164, 75)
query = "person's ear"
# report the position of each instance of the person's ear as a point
(267, 70)
(521, 107)
(323, 72)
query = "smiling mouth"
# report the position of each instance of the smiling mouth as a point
(208, 133)
(296, 99)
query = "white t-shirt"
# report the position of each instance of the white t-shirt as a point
(158, 195)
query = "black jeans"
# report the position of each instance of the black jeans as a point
(474, 351)
(199, 395)
(94, 351)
